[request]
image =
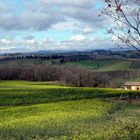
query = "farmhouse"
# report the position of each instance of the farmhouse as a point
(132, 86)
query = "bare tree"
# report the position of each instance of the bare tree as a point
(125, 27)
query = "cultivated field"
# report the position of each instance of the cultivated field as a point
(43, 110)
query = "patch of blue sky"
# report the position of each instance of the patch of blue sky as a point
(17, 6)
(99, 34)
(98, 5)
(56, 35)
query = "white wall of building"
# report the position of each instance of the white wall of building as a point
(135, 87)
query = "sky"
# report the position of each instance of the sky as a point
(33, 25)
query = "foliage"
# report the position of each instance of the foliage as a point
(92, 73)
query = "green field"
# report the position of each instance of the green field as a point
(107, 65)
(43, 110)
(98, 65)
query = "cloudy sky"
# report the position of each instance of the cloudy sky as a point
(32, 25)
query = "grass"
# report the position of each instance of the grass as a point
(118, 65)
(41, 110)
(28, 93)
(94, 64)
(107, 65)
(55, 117)
(135, 65)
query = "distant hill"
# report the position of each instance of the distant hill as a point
(98, 60)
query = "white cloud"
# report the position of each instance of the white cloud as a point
(78, 38)
(4, 41)
(69, 24)
(43, 14)
(75, 3)
(78, 17)
(88, 29)
(115, 39)
(29, 21)
(77, 42)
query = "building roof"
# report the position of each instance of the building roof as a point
(132, 84)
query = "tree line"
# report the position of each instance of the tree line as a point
(80, 77)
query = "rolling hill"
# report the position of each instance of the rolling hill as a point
(107, 65)
(97, 65)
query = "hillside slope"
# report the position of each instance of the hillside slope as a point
(107, 65)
